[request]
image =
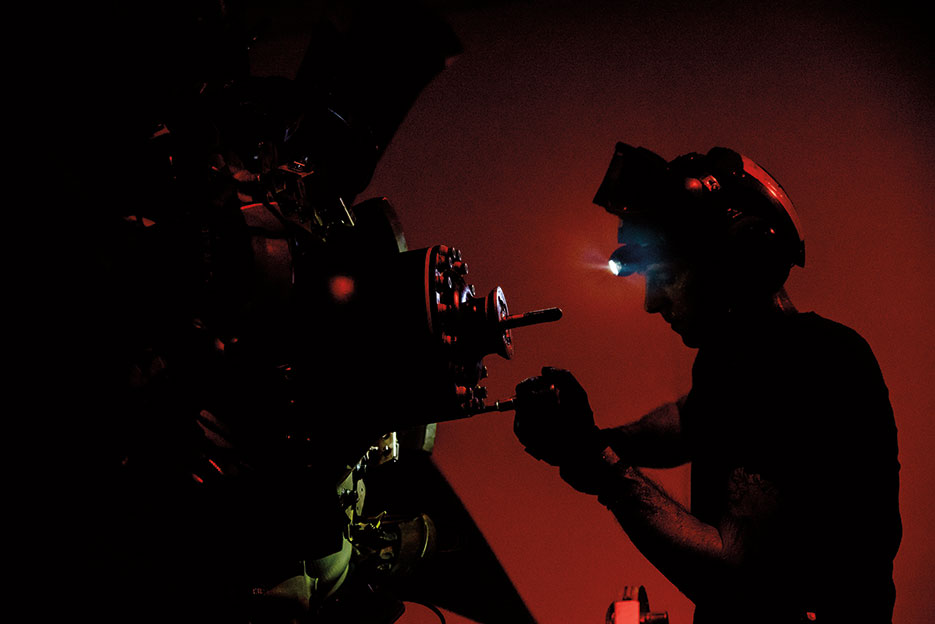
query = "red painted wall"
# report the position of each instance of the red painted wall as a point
(502, 154)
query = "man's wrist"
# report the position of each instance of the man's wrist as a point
(609, 457)
(610, 492)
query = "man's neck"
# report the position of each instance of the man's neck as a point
(751, 314)
(764, 306)
(782, 303)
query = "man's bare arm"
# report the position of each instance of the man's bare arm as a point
(653, 441)
(696, 557)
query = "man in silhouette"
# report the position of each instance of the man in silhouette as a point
(788, 425)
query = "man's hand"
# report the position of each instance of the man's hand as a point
(553, 419)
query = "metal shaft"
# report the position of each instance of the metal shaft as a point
(535, 317)
(498, 406)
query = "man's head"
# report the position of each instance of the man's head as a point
(710, 232)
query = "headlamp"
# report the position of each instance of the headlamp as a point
(635, 188)
(630, 259)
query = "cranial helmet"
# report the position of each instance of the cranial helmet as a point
(718, 205)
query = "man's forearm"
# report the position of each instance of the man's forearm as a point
(653, 441)
(693, 555)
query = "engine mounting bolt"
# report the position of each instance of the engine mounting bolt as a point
(443, 281)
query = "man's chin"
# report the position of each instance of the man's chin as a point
(691, 342)
(689, 339)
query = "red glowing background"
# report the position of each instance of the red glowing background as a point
(502, 153)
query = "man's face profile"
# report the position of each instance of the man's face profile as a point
(689, 303)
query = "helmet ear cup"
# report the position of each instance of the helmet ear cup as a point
(754, 257)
